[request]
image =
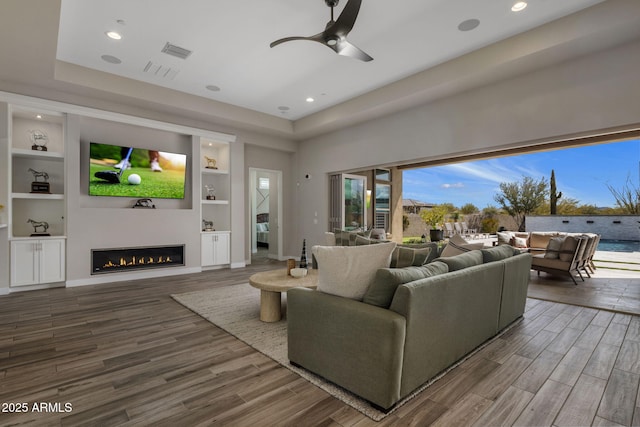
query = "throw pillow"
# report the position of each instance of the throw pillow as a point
(387, 280)
(504, 238)
(520, 242)
(435, 250)
(406, 257)
(378, 233)
(462, 261)
(553, 248)
(347, 271)
(497, 253)
(457, 245)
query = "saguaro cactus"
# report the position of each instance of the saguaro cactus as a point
(553, 194)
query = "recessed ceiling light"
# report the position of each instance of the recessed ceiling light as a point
(111, 59)
(213, 88)
(283, 108)
(113, 35)
(38, 116)
(310, 99)
(468, 25)
(519, 6)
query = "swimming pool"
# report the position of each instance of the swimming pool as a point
(619, 246)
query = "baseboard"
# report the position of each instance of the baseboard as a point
(4, 291)
(242, 264)
(122, 277)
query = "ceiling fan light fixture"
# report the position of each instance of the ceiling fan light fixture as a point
(332, 41)
(113, 35)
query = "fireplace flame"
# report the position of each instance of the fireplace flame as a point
(133, 261)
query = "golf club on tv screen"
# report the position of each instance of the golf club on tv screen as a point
(122, 171)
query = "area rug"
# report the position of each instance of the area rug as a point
(236, 309)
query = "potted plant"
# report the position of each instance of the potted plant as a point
(434, 218)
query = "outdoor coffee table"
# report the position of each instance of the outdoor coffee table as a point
(272, 284)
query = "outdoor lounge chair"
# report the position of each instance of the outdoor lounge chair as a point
(458, 228)
(448, 229)
(567, 261)
(468, 231)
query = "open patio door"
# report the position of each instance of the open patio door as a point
(348, 209)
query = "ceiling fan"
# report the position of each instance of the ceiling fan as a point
(335, 33)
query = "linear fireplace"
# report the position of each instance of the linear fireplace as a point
(138, 258)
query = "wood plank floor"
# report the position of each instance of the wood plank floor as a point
(127, 354)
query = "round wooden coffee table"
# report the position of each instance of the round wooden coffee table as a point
(272, 284)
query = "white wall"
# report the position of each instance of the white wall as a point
(612, 227)
(583, 96)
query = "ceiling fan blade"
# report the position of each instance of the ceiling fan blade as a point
(288, 39)
(347, 19)
(345, 48)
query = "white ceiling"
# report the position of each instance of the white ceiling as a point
(230, 44)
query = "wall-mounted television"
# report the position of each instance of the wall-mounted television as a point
(123, 171)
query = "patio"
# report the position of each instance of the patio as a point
(614, 286)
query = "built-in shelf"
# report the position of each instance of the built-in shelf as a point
(33, 154)
(215, 202)
(37, 196)
(17, 238)
(214, 171)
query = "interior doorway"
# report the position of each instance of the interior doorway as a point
(266, 207)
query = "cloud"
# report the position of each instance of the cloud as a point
(456, 185)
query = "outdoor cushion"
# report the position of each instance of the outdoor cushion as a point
(347, 271)
(540, 239)
(462, 261)
(553, 248)
(556, 264)
(504, 238)
(457, 245)
(433, 245)
(520, 242)
(406, 257)
(497, 253)
(387, 280)
(361, 240)
(568, 248)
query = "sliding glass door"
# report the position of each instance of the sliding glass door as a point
(354, 213)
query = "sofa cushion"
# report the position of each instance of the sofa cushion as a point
(568, 248)
(347, 271)
(540, 239)
(457, 245)
(348, 238)
(361, 240)
(435, 251)
(553, 247)
(407, 257)
(557, 264)
(497, 253)
(387, 280)
(462, 261)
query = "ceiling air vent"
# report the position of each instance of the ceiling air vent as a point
(160, 70)
(177, 51)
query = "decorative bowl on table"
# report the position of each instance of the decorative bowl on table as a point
(298, 272)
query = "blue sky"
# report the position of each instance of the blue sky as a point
(581, 173)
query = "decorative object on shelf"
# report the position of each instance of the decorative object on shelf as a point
(144, 203)
(38, 139)
(211, 162)
(43, 186)
(211, 192)
(207, 225)
(303, 257)
(39, 224)
(291, 264)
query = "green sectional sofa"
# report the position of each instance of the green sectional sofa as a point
(384, 350)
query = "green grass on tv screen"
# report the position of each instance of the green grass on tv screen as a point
(168, 184)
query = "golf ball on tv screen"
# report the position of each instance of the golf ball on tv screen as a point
(134, 179)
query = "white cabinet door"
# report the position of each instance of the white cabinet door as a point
(37, 261)
(215, 249)
(206, 251)
(24, 263)
(52, 261)
(221, 249)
